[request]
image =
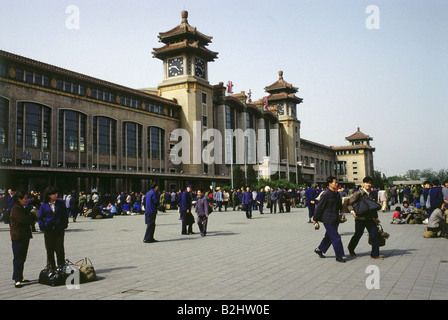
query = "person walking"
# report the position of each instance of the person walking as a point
(280, 199)
(248, 202)
(260, 200)
(327, 211)
(185, 211)
(53, 220)
(310, 198)
(202, 210)
(9, 205)
(435, 197)
(273, 197)
(225, 199)
(368, 221)
(74, 206)
(382, 198)
(151, 204)
(21, 221)
(218, 197)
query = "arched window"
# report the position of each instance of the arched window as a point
(104, 135)
(33, 125)
(156, 143)
(72, 131)
(131, 137)
(4, 121)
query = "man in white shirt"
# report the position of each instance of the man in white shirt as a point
(382, 198)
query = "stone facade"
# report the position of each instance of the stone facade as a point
(67, 129)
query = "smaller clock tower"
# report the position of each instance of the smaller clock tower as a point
(282, 99)
(185, 63)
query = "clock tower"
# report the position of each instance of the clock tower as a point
(282, 99)
(185, 66)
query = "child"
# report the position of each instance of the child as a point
(396, 217)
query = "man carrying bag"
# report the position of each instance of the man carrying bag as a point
(368, 220)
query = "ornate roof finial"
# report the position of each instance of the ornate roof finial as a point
(280, 75)
(184, 15)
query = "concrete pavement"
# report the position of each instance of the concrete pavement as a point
(269, 257)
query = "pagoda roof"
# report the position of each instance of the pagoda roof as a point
(171, 49)
(184, 30)
(284, 96)
(281, 85)
(184, 38)
(358, 135)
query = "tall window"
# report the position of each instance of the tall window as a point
(104, 135)
(4, 121)
(72, 131)
(250, 147)
(267, 126)
(131, 139)
(230, 139)
(33, 125)
(156, 143)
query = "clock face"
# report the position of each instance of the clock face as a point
(175, 67)
(281, 110)
(199, 68)
(293, 110)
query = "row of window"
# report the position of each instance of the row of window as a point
(33, 131)
(84, 91)
(346, 152)
(321, 166)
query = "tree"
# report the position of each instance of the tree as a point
(238, 177)
(251, 175)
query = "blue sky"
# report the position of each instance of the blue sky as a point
(391, 82)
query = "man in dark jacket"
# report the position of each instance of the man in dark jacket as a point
(151, 204)
(310, 198)
(185, 211)
(327, 211)
(368, 220)
(273, 197)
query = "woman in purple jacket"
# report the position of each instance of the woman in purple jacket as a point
(53, 220)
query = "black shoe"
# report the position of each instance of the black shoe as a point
(340, 259)
(18, 285)
(352, 252)
(319, 253)
(150, 241)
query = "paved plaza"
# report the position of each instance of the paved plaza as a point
(269, 257)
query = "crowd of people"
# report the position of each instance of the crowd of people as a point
(420, 204)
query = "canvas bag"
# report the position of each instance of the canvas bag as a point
(86, 269)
